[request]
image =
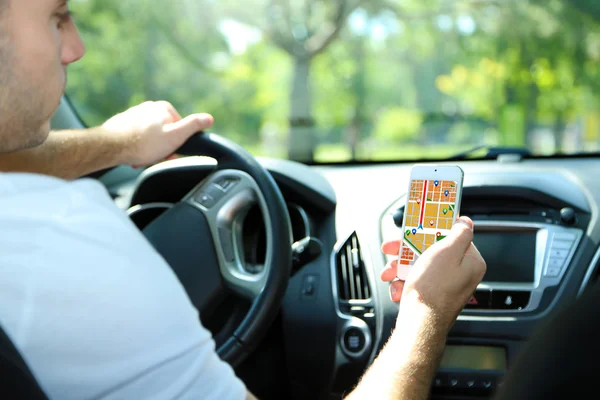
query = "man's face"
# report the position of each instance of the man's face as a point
(38, 39)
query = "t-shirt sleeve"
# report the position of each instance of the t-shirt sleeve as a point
(93, 308)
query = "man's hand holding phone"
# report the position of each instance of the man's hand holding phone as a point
(440, 283)
(443, 278)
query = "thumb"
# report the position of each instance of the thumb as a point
(461, 235)
(189, 125)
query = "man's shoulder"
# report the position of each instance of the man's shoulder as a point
(16, 184)
(47, 212)
(48, 197)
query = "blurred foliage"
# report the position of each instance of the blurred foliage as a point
(332, 80)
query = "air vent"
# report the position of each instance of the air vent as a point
(351, 275)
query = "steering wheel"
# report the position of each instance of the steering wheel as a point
(200, 238)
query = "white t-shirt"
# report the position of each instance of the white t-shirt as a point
(95, 311)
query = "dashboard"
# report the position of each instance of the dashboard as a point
(536, 224)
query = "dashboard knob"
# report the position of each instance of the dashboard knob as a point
(568, 216)
(398, 217)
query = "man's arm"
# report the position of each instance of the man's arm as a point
(67, 154)
(432, 297)
(407, 363)
(140, 136)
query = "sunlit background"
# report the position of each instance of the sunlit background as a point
(337, 80)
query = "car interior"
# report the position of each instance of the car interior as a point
(281, 252)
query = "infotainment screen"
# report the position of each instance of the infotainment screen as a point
(510, 256)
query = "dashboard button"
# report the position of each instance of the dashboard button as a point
(559, 253)
(561, 244)
(565, 236)
(552, 272)
(455, 382)
(470, 382)
(479, 300)
(487, 383)
(440, 381)
(354, 340)
(555, 262)
(510, 299)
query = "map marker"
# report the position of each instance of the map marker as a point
(446, 193)
(414, 231)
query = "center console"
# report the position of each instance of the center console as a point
(523, 259)
(528, 240)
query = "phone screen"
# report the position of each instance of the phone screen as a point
(428, 216)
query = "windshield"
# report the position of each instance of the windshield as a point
(341, 80)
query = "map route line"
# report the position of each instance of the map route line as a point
(423, 199)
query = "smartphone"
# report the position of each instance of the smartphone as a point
(432, 206)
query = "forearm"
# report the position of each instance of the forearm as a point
(67, 154)
(405, 367)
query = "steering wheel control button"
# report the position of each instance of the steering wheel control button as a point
(209, 196)
(480, 300)
(510, 299)
(354, 340)
(204, 200)
(552, 272)
(215, 192)
(227, 183)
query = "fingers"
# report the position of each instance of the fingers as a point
(396, 289)
(189, 125)
(389, 272)
(391, 248)
(474, 262)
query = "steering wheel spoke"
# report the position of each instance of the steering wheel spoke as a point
(225, 198)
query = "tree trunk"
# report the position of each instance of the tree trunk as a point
(301, 143)
(358, 84)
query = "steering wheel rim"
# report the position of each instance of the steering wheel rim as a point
(165, 233)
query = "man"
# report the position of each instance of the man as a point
(91, 306)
